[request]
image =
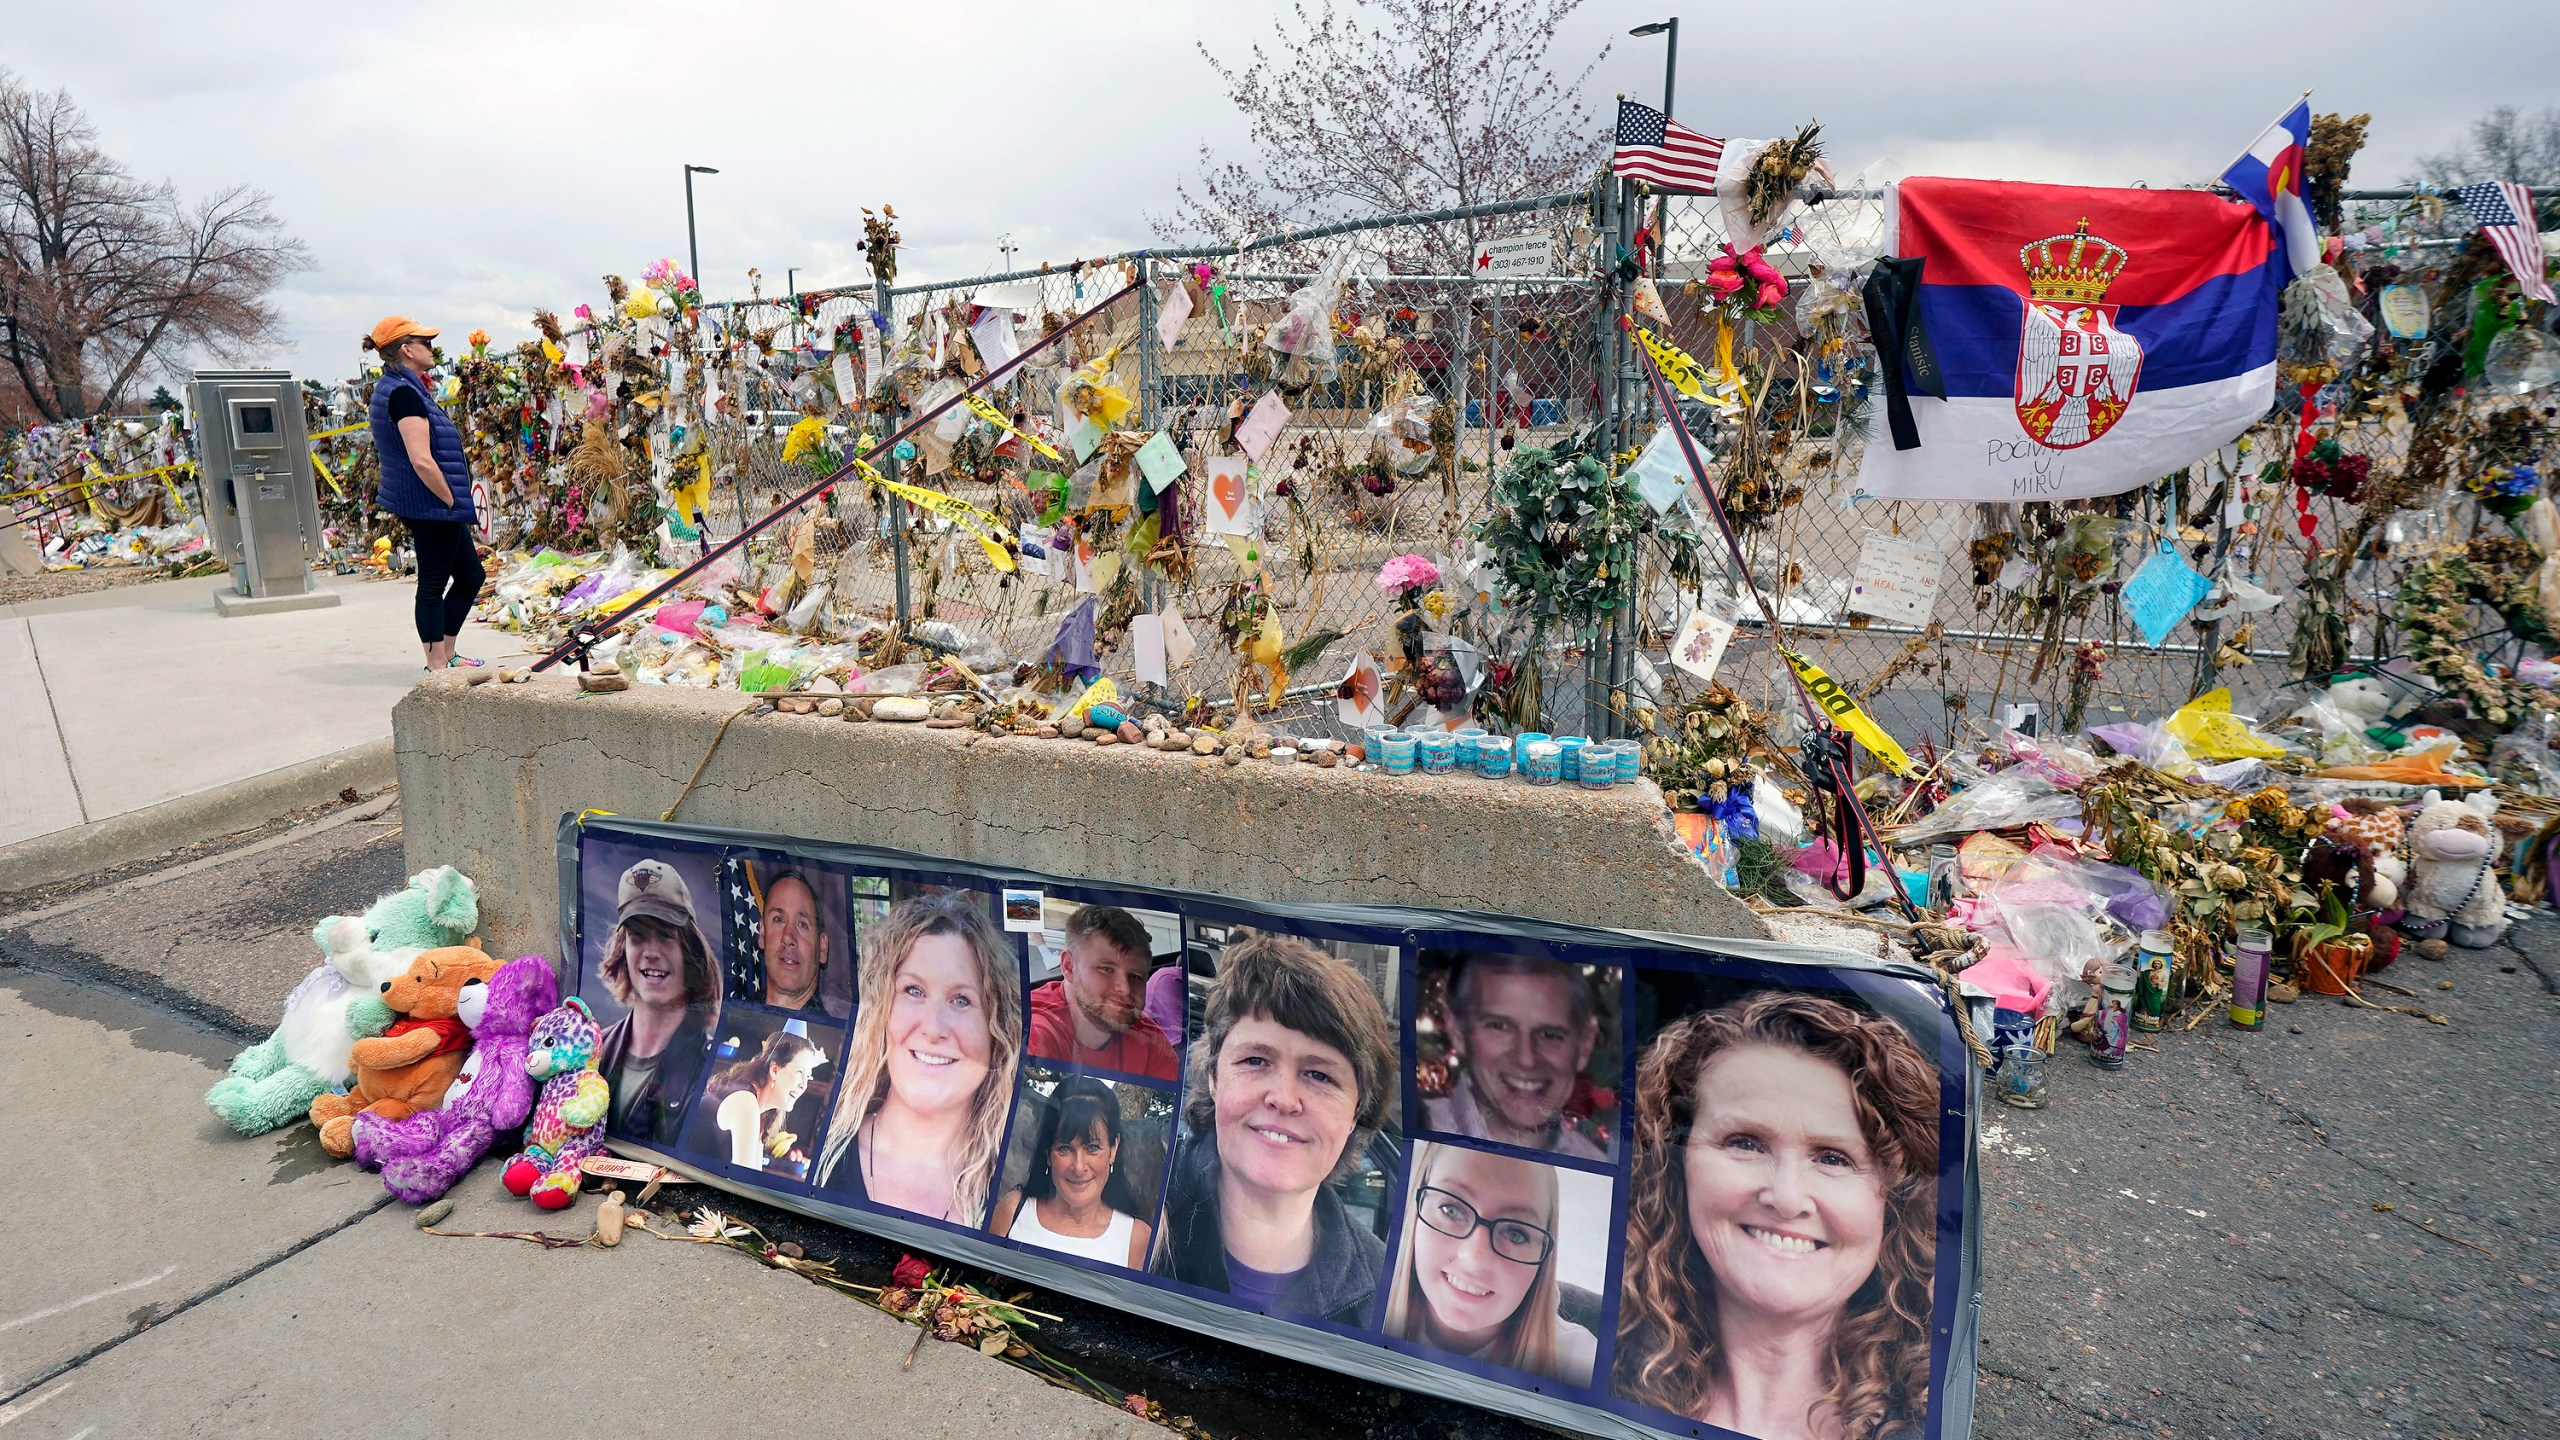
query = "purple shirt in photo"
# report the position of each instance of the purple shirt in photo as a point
(1260, 1289)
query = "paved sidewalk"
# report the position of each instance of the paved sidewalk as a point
(119, 700)
(172, 1278)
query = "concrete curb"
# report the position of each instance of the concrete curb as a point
(190, 819)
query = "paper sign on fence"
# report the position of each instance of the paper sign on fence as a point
(1146, 641)
(1160, 461)
(1897, 579)
(1172, 314)
(1262, 426)
(1230, 497)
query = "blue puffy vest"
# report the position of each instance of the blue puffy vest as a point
(403, 493)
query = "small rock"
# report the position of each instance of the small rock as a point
(1204, 744)
(506, 674)
(906, 709)
(1072, 729)
(601, 681)
(1050, 732)
(947, 722)
(1259, 747)
(1235, 757)
(2433, 949)
(2282, 993)
(1357, 754)
(1106, 737)
(1181, 738)
(2444, 984)
(1157, 724)
(2293, 1029)
(1325, 760)
(831, 707)
(797, 705)
(1130, 734)
(434, 1214)
(479, 677)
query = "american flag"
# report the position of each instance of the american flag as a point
(744, 897)
(2505, 213)
(1653, 146)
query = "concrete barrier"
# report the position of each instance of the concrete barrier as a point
(486, 772)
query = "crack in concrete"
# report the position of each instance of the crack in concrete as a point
(2054, 1397)
(63, 1367)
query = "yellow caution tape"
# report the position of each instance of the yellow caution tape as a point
(998, 419)
(983, 527)
(1676, 365)
(1844, 712)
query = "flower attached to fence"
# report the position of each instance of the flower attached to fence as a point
(479, 342)
(1745, 284)
(808, 441)
(1406, 575)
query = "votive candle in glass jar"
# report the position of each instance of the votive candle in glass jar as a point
(1542, 762)
(1395, 753)
(1573, 746)
(1493, 756)
(1437, 750)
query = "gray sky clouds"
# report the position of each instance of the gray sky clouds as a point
(466, 162)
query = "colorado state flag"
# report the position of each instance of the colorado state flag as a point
(2090, 340)
(2269, 177)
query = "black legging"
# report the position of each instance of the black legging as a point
(449, 576)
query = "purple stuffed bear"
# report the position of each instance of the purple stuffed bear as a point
(422, 1156)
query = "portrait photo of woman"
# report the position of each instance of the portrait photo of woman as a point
(1086, 1191)
(937, 1038)
(1480, 1267)
(661, 995)
(1290, 1080)
(750, 1100)
(1781, 1228)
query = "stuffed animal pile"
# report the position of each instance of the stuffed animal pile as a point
(423, 1155)
(275, 1081)
(415, 1052)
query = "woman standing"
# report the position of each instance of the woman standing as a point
(1782, 1231)
(1075, 1200)
(752, 1097)
(427, 483)
(937, 1036)
(1477, 1273)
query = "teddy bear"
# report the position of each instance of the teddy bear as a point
(2453, 888)
(273, 1082)
(410, 1065)
(568, 1123)
(422, 1156)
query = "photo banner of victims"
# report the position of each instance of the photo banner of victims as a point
(1628, 1184)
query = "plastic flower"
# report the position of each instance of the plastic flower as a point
(1407, 572)
(805, 437)
(584, 311)
(910, 1272)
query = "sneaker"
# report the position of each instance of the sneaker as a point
(462, 662)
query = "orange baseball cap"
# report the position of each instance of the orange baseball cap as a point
(396, 328)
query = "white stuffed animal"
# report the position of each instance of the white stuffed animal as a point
(2343, 713)
(2453, 888)
(273, 1082)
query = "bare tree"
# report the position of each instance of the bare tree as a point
(107, 280)
(1384, 107)
(2505, 144)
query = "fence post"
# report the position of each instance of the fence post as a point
(889, 467)
(1150, 379)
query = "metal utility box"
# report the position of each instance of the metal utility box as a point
(256, 487)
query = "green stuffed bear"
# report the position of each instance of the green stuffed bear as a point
(273, 1082)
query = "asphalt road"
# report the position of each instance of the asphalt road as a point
(2188, 1247)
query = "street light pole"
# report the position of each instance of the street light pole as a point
(692, 248)
(1670, 31)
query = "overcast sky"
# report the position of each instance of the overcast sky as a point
(465, 162)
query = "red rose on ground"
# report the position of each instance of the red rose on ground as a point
(910, 1272)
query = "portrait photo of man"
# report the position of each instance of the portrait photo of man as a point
(1522, 1033)
(1095, 1012)
(789, 935)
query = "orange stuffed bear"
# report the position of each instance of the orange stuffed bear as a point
(409, 1067)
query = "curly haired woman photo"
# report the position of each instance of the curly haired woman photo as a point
(1781, 1231)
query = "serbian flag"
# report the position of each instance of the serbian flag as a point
(2088, 340)
(2269, 177)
